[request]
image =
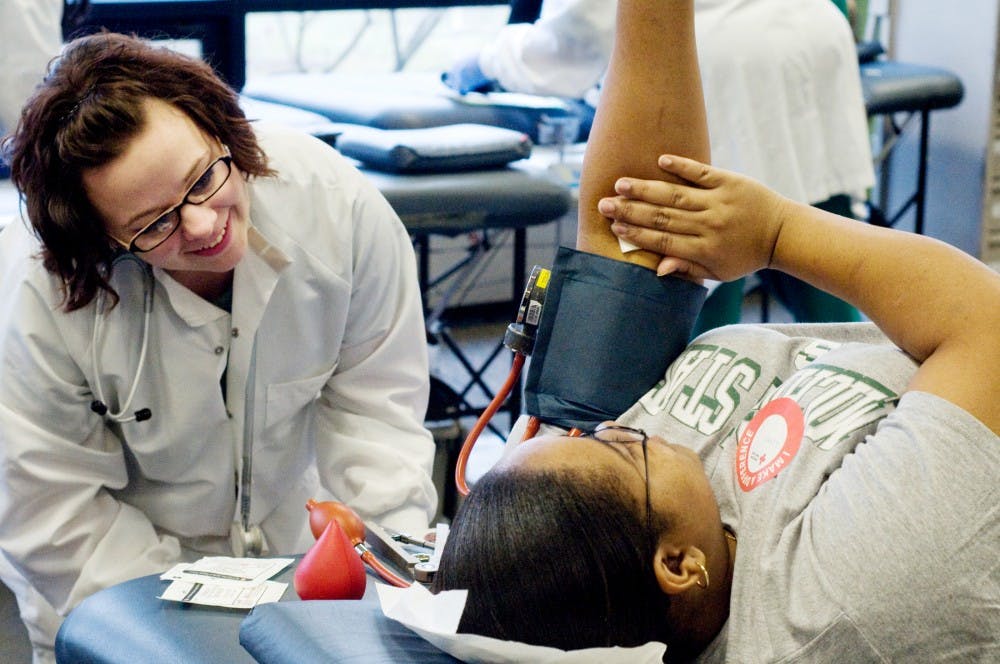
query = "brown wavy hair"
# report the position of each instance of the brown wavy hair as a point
(83, 116)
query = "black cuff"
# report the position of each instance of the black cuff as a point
(607, 334)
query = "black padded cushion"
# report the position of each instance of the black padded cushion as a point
(868, 51)
(891, 87)
(405, 100)
(456, 203)
(450, 148)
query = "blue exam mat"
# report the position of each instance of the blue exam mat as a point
(323, 631)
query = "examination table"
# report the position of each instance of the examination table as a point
(127, 623)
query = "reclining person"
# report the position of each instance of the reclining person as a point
(774, 497)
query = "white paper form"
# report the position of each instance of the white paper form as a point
(233, 583)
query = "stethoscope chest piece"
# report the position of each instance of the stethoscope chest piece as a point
(246, 543)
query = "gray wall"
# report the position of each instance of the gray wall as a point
(962, 37)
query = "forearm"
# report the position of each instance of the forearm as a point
(919, 291)
(716, 224)
(372, 448)
(62, 526)
(374, 452)
(651, 103)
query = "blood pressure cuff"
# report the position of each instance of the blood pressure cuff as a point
(608, 332)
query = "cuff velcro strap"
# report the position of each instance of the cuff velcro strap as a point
(608, 332)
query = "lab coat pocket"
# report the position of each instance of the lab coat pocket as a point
(287, 403)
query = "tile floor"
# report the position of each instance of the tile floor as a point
(14, 648)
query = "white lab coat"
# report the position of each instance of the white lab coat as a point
(30, 36)
(780, 77)
(328, 295)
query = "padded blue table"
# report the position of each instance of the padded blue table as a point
(126, 624)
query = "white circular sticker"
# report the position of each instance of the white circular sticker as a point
(769, 443)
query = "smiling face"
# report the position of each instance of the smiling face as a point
(154, 173)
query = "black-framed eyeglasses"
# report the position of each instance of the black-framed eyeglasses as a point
(618, 433)
(207, 185)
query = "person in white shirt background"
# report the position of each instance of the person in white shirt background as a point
(782, 89)
(30, 36)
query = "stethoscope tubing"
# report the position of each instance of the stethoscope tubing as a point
(147, 311)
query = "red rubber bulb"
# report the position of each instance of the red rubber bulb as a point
(331, 568)
(322, 512)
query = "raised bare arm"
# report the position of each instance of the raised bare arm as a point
(651, 103)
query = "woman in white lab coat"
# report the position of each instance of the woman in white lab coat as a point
(215, 323)
(782, 92)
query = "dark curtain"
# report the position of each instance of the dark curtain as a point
(524, 11)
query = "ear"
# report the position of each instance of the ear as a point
(678, 569)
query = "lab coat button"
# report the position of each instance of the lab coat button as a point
(219, 350)
(236, 332)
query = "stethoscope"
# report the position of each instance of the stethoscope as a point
(98, 405)
(245, 537)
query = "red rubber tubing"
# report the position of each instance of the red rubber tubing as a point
(383, 571)
(484, 419)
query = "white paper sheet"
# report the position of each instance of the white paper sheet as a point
(225, 596)
(232, 583)
(224, 569)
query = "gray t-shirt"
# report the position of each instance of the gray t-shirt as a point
(868, 523)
